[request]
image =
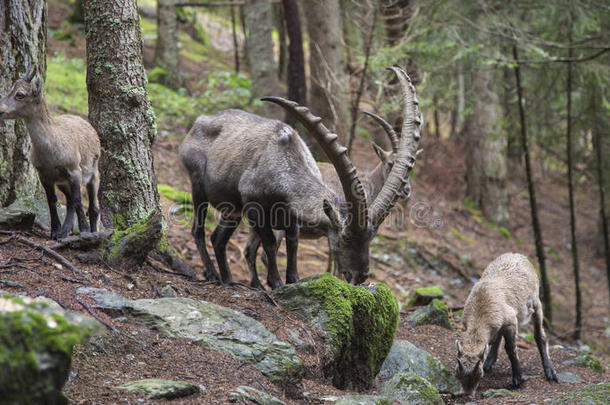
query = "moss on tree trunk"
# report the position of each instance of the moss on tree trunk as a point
(23, 32)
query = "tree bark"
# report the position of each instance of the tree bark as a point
(329, 86)
(261, 61)
(575, 261)
(23, 36)
(486, 143)
(545, 286)
(280, 26)
(166, 51)
(396, 15)
(235, 42)
(120, 112)
(297, 85)
(77, 15)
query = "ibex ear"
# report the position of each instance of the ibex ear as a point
(458, 348)
(384, 156)
(331, 214)
(37, 86)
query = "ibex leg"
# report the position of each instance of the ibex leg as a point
(511, 351)
(292, 244)
(493, 354)
(49, 189)
(250, 251)
(220, 237)
(542, 343)
(94, 204)
(270, 246)
(68, 224)
(75, 183)
(200, 207)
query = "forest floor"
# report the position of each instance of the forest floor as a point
(436, 239)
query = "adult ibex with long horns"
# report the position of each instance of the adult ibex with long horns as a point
(246, 165)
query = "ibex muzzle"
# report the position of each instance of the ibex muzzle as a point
(243, 160)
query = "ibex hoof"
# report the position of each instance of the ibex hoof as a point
(274, 284)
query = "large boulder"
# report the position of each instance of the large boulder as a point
(156, 388)
(408, 388)
(217, 327)
(36, 341)
(39, 209)
(406, 357)
(244, 394)
(358, 325)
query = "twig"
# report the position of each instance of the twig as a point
(59, 258)
(95, 315)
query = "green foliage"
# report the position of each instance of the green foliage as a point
(65, 85)
(157, 75)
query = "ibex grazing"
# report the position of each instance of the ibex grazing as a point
(505, 297)
(242, 163)
(65, 152)
(372, 181)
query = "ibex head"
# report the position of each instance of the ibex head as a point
(469, 370)
(24, 95)
(353, 224)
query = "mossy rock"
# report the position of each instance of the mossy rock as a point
(592, 394)
(16, 220)
(587, 360)
(425, 295)
(251, 395)
(359, 400)
(499, 393)
(408, 388)
(435, 313)
(358, 324)
(36, 341)
(156, 388)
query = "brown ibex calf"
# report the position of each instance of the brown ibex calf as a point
(65, 152)
(505, 297)
(372, 181)
(247, 165)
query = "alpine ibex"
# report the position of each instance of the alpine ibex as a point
(244, 164)
(372, 181)
(65, 152)
(505, 297)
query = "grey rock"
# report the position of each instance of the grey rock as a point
(408, 388)
(359, 400)
(499, 393)
(214, 326)
(567, 377)
(156, 388)
(295, 338)
(592, 394)
(406, 357)
(16, 220)
(244, 393)
(168, 292)
(36, 350)
(40, 209)
(425, 295)
(435, 313)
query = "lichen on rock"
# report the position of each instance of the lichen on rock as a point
(358, 323)
(408, 388)
(435, 313)
(158, 388)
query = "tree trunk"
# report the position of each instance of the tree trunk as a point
(120, 112)
(235, 42)
(297, 85)
(578, 321)
(545, 286)
(329, 87)
(23, 35)
(261, 61)
(166, 51)
(280, 26)
(486, 162)
(602, 179)
(395, 14)
(77, 15)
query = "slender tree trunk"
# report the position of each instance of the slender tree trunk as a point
(77, 15)
(486, 163)
(23, 35)
(437, 121)
(599, 152)
(395, 15)
(297, 85)
(278, 21)
(261, 61)
(328, 95)
(545, 286)
(513, 150)
(166, 51)
(356, 103)
(578, 322)
(235, 43)
(120, 112)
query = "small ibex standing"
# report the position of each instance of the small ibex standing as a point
(65, 152)
(245, 164)
(505, 297)
(372, 181)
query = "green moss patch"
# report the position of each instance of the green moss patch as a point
(593, 394)
(409, 388)
(359, 324)
(425, 295)
(435, 313)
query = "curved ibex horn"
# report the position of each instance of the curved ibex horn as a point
(29, 75)
(388, 130)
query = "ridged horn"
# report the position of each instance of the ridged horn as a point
(337, 154)
(29, 75)
(388, 130)
(406, 155)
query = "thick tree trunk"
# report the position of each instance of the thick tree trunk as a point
(545, 285)
(486, 145)
(329, 87)
(166, 51)
(120, 112)
(261, 61)
(23, 35)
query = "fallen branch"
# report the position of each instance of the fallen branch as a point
(84, 241)
(416, 307)
(95, 315)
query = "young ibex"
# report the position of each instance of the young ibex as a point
(505, 297)
(242, 163)
(372, 181)
(65, 152)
